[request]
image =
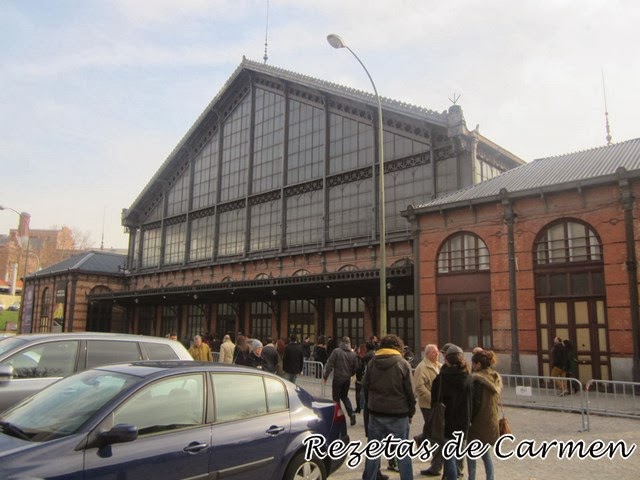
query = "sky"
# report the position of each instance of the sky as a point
(95, 94)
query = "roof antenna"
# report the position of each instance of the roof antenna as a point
(266, 34)
(456, 97)
(606, 112)
(104, 211)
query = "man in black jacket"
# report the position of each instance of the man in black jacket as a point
(343, 362)
(391, 402)
(293, 359)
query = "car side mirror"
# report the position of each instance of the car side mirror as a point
(6, 373)
(120, 433)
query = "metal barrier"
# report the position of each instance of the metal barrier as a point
(545, 393)
(619, 399)
(216, 356)
(312, 372)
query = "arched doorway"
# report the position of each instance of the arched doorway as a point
(570, 296)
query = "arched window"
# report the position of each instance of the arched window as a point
(567, 242)
(463, 252)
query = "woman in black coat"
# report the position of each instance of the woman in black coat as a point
(453, 388)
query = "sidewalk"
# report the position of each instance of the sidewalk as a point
(540, 426)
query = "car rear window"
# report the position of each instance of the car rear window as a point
(102, 352)
(160, 351)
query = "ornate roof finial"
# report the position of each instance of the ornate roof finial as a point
(606, 112)
(456, 97)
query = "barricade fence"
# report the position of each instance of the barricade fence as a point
(313, 372)
(620, 399)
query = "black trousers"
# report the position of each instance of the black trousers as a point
(340, 393)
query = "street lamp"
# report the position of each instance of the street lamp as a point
(336, 42)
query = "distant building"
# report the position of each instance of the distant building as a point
(56, 298)
(31, 249)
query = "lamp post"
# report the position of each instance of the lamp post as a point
(336, 42)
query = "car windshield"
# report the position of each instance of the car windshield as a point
(61, 409)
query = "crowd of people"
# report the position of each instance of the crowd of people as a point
(388, 390)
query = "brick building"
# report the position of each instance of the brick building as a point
(56, 298)
(547, 249)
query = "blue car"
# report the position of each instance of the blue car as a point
(168, 420)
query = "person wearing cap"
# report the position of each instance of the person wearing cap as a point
(391, 402)
(452, 388)
(343, 362)
(256, 354)
(200, 351)
(426, 372)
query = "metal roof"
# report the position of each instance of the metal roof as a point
(88, 262)
(594, 166)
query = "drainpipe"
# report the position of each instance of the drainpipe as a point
(509, 220)
(631, 263)
(417, 321)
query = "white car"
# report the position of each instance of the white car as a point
(30, 362)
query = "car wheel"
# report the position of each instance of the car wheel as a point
(301, 469)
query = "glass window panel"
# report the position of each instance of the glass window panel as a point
(542, 286)
(542, 308)
(579, 283)
(561, 315)
(602, 339)
(567, 242)
(351, 144)
(582, 339)
(202, 238)
(265, 226)
(558, 284)
(409, 186)
(178, 197)
(232, 232)
(235, 153)
(463, 252)
(597, 278)
(276, 395)
(205, 171)
(305, 156)
(168, 404)
(581, 311)
(151, 248)
(544, 337)
(305, 222)
(458, 323)
(174, 243)
(268, 141)
(350, 210)
(238, 396)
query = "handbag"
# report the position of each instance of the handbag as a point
(437, 419)
(503, 424)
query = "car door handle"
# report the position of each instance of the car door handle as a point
(195, 447)
(275, 430)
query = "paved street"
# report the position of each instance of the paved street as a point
(541, 426)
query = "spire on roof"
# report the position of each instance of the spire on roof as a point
(266, 35)
(606, 112)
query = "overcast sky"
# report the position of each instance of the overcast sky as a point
(94, 95)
